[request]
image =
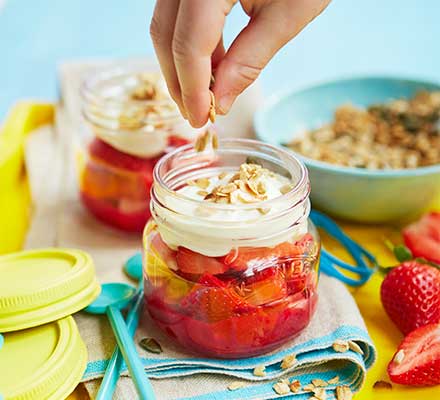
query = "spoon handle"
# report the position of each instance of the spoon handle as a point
(116, 363)
(131, 357)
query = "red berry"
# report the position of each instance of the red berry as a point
(114, 216)
(417, 359)
(423, 237)
(264, 287)
(251, 257)
(212, 302)
(410, 294)
(190, 262)
(100, 150)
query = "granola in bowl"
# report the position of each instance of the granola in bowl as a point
(399, 134)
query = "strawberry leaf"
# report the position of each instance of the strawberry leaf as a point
(402, 253)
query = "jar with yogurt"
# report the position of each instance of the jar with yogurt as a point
(230, 256)
(130, 122)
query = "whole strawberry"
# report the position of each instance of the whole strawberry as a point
(417, 359)
(410, 294)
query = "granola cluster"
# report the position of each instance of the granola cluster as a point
(246, 186)
(154, 104)
(318, 388)
(394, 135)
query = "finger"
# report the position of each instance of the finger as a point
(268, 30)
(218, 54)
(198, 30)
(162, 32)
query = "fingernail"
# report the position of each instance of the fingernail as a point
(225, 103)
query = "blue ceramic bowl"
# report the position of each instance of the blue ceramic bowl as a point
(354, 194)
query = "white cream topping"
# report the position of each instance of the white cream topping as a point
(130, 134)
(215, 232)
(140, 144)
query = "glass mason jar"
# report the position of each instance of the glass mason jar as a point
(130, 122)
(230, 280)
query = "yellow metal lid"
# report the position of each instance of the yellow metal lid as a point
(46, 362)
(41, 286)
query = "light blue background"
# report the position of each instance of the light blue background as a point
(352, 37)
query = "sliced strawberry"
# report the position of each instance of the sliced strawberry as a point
(191, 262)
(423, 237)
(100, 150)
(211, 303)
(297, 283)
(113, 216)
(417, 359)
(264, 287)
(211, 280)
(410, 294)
(243, 258)
(165, 253)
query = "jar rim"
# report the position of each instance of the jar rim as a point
(301, 185)
(108, 108)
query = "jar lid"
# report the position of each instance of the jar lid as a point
(41, 286)
(46, 362)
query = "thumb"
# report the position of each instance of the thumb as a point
(268, 30)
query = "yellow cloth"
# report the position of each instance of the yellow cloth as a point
(14, 216)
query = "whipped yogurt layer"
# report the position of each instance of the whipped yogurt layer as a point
(146, 118)
(243, 207)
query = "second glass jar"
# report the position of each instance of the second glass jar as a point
(130, 122)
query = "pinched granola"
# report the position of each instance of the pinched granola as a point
(212, 107)
(202, 141)
(398, 134)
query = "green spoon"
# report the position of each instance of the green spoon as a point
(114, 297)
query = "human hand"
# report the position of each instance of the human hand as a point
(187, 36)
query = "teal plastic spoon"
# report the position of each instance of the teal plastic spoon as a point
(133, 268)
(114, 297)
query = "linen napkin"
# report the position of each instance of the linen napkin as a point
(336, 318)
